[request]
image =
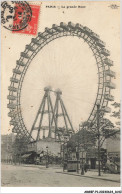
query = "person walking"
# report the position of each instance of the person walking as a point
(85, 167)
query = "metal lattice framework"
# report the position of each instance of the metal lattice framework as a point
(53, 114)
(100, 53)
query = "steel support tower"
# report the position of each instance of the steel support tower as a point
(67, 130)
(53, 126)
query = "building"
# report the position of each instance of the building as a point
(6, 147)
(113, 150)
(42, 151)
(47, 144)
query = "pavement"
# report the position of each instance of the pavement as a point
(94, 175)
(89, 174)
(40, 176)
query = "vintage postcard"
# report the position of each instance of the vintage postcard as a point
(60, 96)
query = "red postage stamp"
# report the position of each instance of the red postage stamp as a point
(32, 26)
(20, 17)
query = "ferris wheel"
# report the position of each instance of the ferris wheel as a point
(103, 63)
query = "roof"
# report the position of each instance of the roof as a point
(26, 155)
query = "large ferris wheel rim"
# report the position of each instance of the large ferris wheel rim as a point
(47, 36)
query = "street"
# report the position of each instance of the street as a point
(40, 176)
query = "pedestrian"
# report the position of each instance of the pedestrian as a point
(82, 168)
(85, 167)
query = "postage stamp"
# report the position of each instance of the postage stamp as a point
(15, 15)
(32, 26)
(20, 17)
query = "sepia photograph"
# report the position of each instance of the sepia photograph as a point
(60, 94)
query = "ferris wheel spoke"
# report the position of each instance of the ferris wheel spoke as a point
(99, 52)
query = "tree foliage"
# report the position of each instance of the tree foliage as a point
(19, 146)
(116, 113)
(82, 138)
(88, 135)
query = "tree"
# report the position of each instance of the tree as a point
(82, 138)
(19, 146)
(103, 128)
(88, 135)
(116, 114)
(95, 132)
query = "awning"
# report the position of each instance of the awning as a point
(26, 155)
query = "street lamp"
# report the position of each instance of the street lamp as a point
(59, 157)
(82, 151)
(77, 154)
(66, 151)
(82, 167)
(77, 150)
(63, 157)
(47, 158)
(98, 130)
(62, 150)
(65, 144)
